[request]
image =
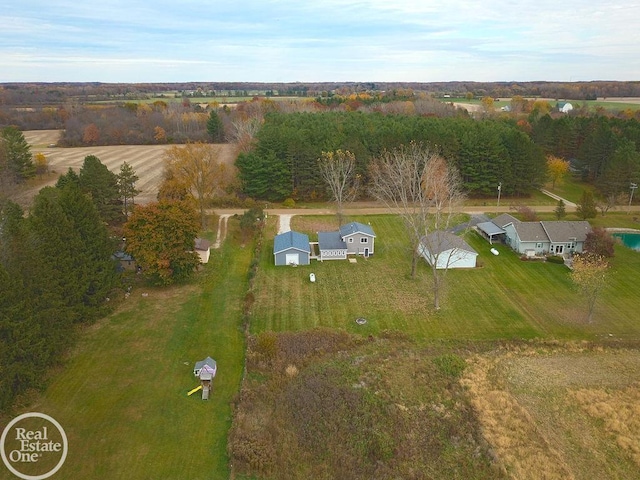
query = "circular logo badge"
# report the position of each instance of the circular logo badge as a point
(33, 446)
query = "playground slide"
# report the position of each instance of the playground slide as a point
(194, 390)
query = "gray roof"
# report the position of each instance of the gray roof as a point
(490, 228)
(356, 227)
(564, 231)
(440, 241)
(207, 361)
(331, 241)
(504, 219)
(202, 244)
(531, 232)
(291, 239)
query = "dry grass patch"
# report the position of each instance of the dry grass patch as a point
(551, 411)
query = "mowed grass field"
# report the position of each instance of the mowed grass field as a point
(122, 394)
(505, 298)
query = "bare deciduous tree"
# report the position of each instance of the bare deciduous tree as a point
(338, 170)
(420, 186)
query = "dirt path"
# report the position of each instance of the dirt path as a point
(222, 229)
(284, 223)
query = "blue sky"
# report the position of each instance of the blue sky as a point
(313, 41)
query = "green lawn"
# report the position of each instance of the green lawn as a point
(122, 396)
(570, 188)
(505, 298)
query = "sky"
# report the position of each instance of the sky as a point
(127, 41)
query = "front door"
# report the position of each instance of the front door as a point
(366, 252)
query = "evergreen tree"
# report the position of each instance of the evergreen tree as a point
(16, 154)
(586, 206)
(560, 210)
(102, 184)
(70, 177)
(127, 179)
(215, 128)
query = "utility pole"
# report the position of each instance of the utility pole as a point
(633, 187)
(499, 190)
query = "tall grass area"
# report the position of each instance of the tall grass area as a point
(122, 396)
(505, 298)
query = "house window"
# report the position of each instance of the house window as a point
(364, 240)
(350, 240)
(538, 245)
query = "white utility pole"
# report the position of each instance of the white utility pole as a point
(633, 187)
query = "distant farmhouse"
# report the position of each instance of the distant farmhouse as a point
(537, 238)
(564, 107)
(294, 248)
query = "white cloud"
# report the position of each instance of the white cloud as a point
(286, 40)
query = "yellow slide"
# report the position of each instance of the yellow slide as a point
(195, 390)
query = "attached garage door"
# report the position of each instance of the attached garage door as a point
(293, 258)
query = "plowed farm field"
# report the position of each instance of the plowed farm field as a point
(146, 160)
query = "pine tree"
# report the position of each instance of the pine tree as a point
(586, 206)
(17, 154)
(215, 128)
(560, 210)
(127, 179)
(102, 184)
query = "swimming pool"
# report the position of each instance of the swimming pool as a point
(631, 240)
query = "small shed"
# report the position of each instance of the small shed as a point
(331, 246)
(203, 249)
(291, 248)
(447, 250)
(125, 261)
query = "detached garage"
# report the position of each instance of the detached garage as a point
(447, 250)
(291, 248)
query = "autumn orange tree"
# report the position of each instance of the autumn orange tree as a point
(198, 167)
(161, 237)
(557, 169)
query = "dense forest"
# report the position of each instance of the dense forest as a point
(283, 163)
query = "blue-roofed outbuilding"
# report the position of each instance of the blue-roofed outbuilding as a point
(291, 248)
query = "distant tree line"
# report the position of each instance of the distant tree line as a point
(54, 94)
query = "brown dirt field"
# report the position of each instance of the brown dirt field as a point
(146, 160)
(560, 412)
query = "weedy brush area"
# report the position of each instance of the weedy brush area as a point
(328, 404)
